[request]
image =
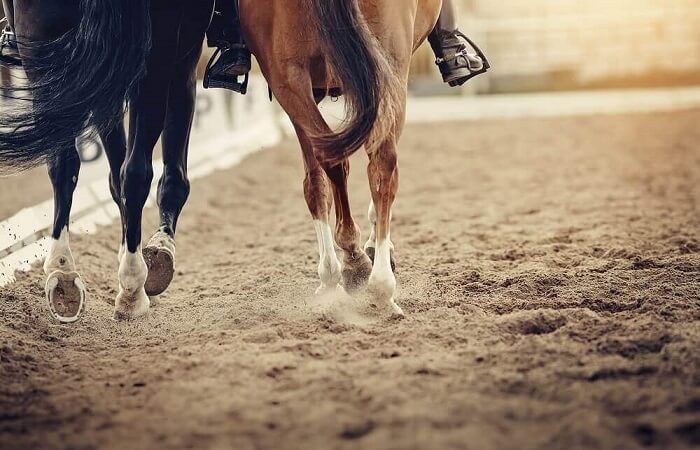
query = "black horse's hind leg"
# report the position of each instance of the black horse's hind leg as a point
(174, 187)
(147, 115)
(63, 172)
(65, 291)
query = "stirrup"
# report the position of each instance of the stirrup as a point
(214, 83)
(465, 53)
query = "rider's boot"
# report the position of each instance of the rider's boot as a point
(232, 58)
(458, 58)
(9, 53)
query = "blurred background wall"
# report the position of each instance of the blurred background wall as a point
(538, 45)
(544, 45)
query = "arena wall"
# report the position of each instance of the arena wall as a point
(563, 44)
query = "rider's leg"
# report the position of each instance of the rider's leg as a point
(8, 42)
(456, 64)
(225, 33)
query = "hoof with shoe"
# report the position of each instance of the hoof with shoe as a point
(65, 295)
(160, 259)
(161, 270)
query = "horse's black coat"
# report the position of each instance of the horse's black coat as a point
(85, 60)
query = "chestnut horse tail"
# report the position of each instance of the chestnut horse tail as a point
(79, 81)
(369, 82)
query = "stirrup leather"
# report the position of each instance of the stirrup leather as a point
(213, 83)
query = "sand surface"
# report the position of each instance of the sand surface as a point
(549, 269)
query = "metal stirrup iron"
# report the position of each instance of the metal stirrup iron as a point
(465, 54)
(212, 83)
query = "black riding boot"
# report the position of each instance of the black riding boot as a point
(9, 54)
(232, 58)
(452, 50)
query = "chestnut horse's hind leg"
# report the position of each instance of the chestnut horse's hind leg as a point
(65, 291)
(383, 174)
(356, 265)
(371, 244)
(319, 200)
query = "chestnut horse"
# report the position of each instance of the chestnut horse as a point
(362, 49)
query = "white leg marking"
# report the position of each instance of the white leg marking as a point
(372, 216)
(64, 290)
(60, 256)
(132, 300)
(382, 282)
(329, 265)
(132, 271)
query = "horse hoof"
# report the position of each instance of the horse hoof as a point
(161, 269)
(65, 296)
(131, 306)
(356, 272)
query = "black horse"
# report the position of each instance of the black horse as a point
(85, 60)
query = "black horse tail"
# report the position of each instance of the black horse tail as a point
(80, 81)
(369, 82)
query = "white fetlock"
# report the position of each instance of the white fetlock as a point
(372, 240)
(382, 283)
(329, 268)
(64, 289)
(132, 301)
(60, 256)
